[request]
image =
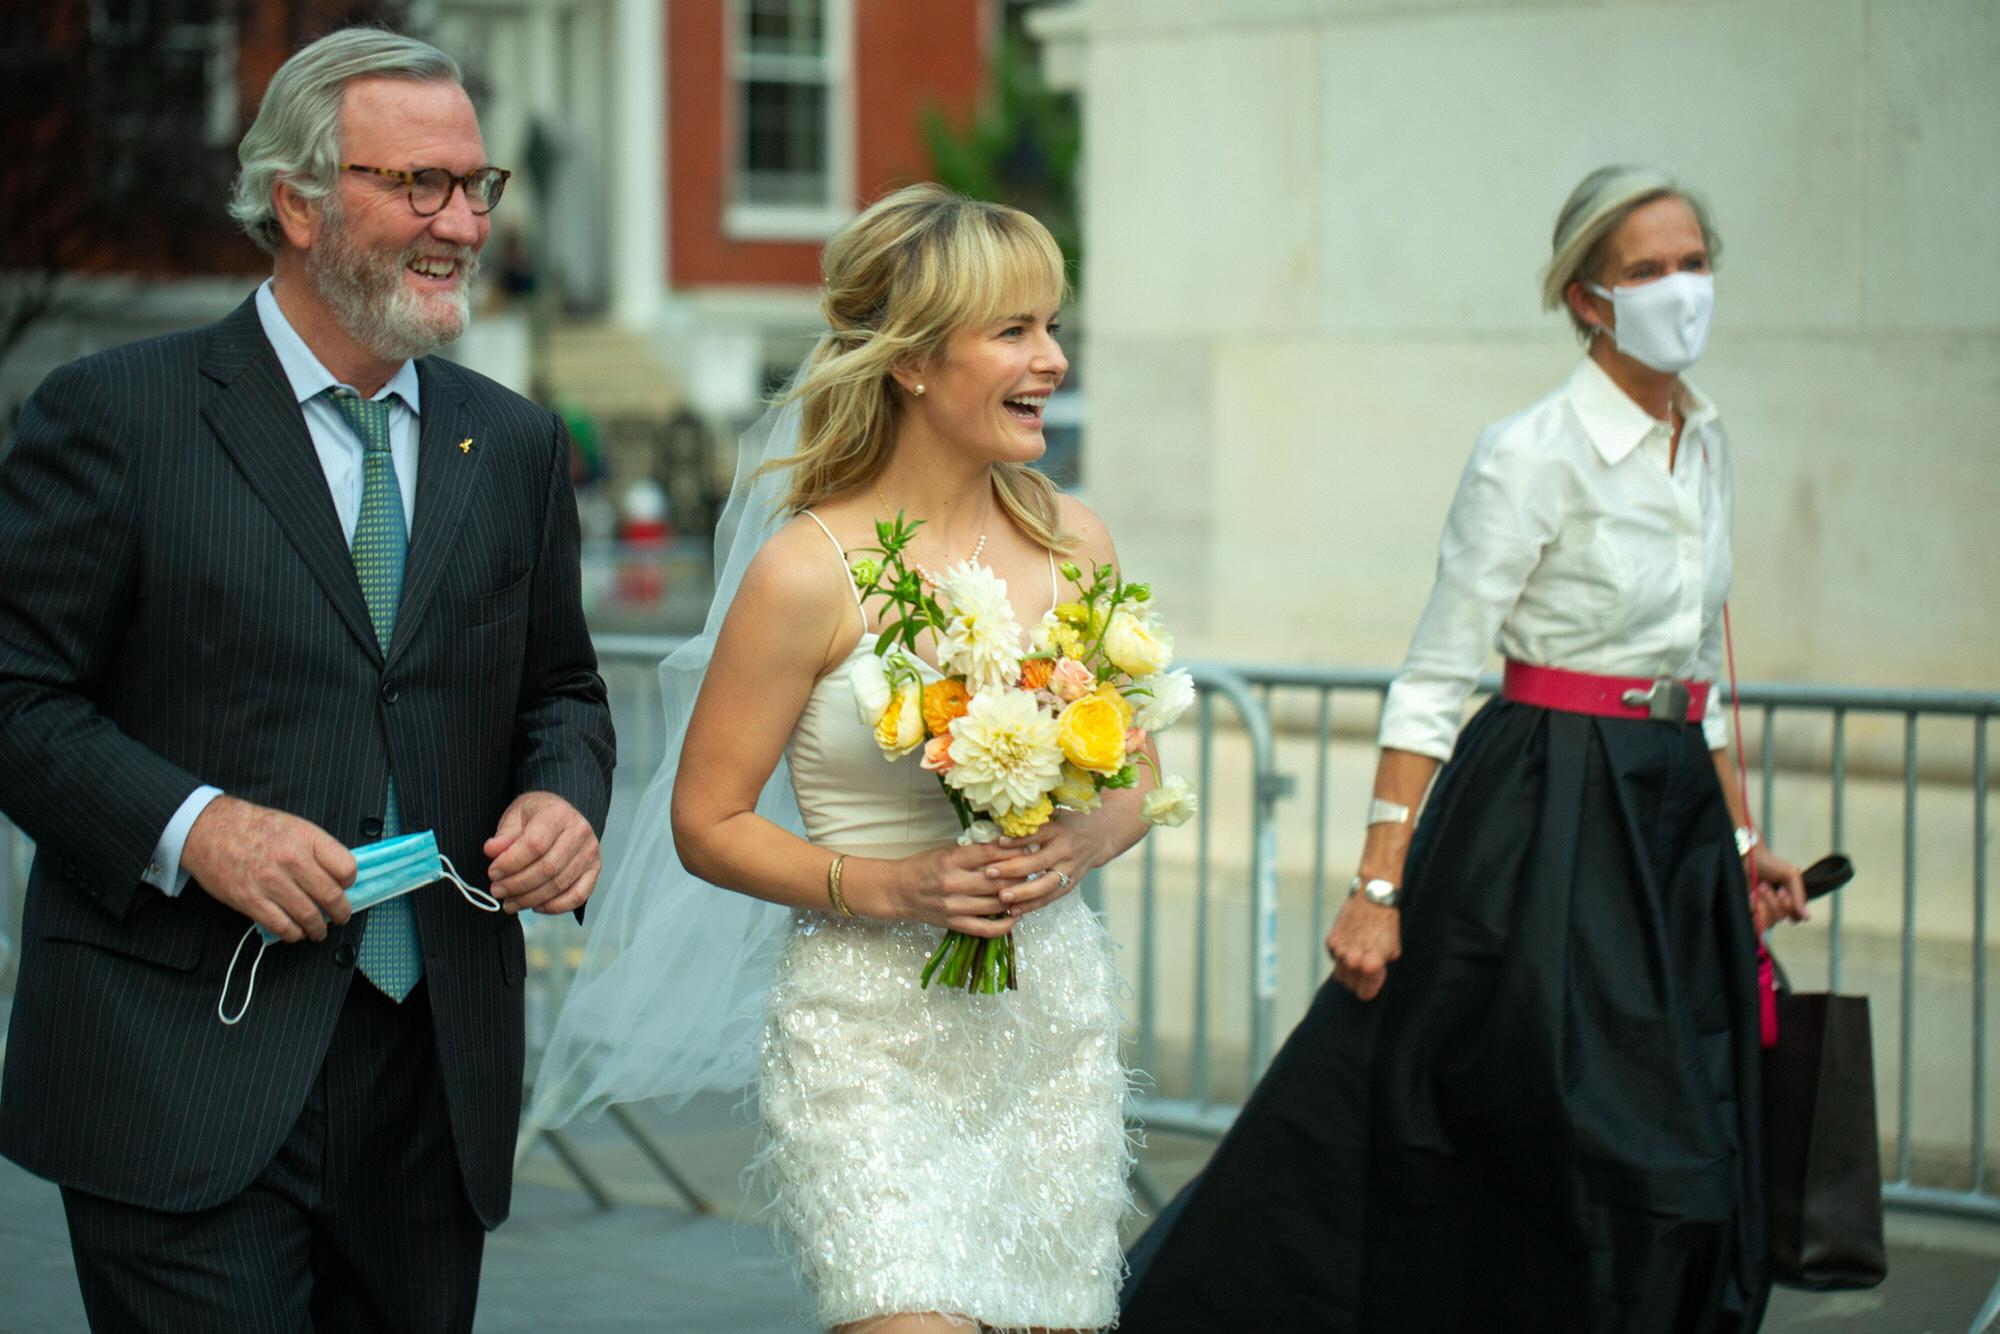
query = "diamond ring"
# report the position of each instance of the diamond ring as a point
(1062, 878)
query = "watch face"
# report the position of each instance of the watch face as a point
(1379, 892)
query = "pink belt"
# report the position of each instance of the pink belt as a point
(1664, 700)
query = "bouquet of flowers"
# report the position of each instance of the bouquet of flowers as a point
(1016, 731)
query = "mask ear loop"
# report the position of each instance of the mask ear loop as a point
(478, 898)
(251, 989)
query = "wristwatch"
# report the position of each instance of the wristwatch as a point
(1381, 893)
(1746, 839)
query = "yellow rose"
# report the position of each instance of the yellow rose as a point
(1076, 791)
(1091, 733)
(1124, 706)
(900, 729)
(1136, 648)
(943, 701)
(1027, 819)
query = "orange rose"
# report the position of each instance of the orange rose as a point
(943, 701)
(1035, 672)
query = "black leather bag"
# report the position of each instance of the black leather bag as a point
(1822, 1151)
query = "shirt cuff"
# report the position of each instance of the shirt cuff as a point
(163, 871)
(1423, 717)
(1715, 722)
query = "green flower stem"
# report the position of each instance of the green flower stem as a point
(980, 965)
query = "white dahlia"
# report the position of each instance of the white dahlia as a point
(982, 640)
(1005, 752)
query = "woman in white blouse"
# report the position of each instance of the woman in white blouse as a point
(1528, 1099)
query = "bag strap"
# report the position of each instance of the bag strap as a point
(1742, 769)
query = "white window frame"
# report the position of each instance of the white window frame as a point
(215, 42)
(794, 222)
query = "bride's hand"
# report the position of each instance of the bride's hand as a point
(949, 887)
(1046, 865)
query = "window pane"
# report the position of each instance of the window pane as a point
(155, 17)
(784, 143)
(782, 27)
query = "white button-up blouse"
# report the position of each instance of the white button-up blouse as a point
(1572, 543)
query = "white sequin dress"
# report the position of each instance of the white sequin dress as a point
(929, 1150)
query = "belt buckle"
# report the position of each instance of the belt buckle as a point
(1667, 700)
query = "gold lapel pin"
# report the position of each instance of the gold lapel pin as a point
(465, 445)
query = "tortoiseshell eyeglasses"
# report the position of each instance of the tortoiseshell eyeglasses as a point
(430, 187)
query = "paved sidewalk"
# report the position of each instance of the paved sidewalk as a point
(651, 1265)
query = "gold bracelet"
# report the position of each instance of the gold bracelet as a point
(833, 885)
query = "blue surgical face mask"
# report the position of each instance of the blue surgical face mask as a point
(382, 871)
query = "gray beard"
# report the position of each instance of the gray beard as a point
(366, 293)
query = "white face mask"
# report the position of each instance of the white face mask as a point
(1664, 323)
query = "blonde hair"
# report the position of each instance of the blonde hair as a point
(916, 267)
(1593, 212)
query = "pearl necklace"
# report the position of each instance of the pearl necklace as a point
(978, 550)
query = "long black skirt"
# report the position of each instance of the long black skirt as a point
(1548, 1119)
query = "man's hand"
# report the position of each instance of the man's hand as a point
(285, 874)
(544, 855)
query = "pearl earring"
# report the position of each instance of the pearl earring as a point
(918, 391)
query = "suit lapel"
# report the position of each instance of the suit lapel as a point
(449, 461)
(258, 422)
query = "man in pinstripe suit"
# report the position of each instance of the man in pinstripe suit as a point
(206, 699)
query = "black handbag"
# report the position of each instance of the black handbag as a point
(1822, 1151)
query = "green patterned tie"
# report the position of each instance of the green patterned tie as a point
(389, 954)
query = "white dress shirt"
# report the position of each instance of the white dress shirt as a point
(340, 452)
(1573, 543)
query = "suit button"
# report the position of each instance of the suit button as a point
(389, 692)
(372, 827)
(344, 956)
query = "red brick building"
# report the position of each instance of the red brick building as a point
(681, 161)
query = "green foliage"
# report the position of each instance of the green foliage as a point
(1020, 149)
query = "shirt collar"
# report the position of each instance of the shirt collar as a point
(1615, 424)
(306, 373)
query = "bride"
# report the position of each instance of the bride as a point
(940, 1160)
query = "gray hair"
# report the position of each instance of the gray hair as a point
(1593, 212)
(296, 136)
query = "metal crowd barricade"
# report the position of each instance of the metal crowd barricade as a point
(1282, 718)
(1193, 1105)
(15, 851)
(629, 665)
(1817, 721)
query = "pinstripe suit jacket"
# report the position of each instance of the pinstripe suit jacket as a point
(178, 606)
